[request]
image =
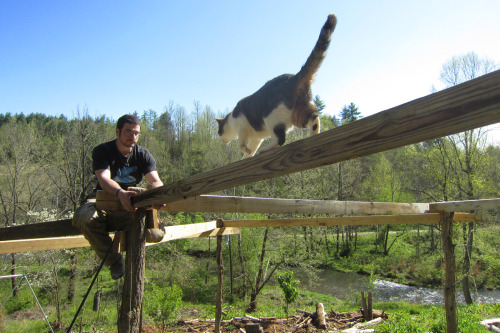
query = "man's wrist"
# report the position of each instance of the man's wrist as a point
(117, 191)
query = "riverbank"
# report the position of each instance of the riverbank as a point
(346, 286)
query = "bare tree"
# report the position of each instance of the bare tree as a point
(20, 184)
(466, 154)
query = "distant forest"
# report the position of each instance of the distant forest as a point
(45, 163)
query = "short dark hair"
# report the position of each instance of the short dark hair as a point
(128, 118)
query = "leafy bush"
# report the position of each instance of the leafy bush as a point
(289, 286)
(163, 303)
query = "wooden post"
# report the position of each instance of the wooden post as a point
(320, 310)
(367, 306)
(450, 303)
(130, 315)
(220, 275)
(253, 328)
(370, 306)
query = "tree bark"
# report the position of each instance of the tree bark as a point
(467, 255)
(13, 272)
(220, 276)
(450, 302)
(130, 315)
(72, 276)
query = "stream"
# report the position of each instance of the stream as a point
(349, 285)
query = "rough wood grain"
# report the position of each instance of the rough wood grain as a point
(450, 302)
(130, 314)
(431, 218)
(233, 204)
(465, 206)
(463, 107)
(59, 228)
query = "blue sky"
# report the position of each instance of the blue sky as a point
(116, 57)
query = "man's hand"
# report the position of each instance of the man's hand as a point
(124, 197)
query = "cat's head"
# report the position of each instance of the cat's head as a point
(307, 117)
(227, 132)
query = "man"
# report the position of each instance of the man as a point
(117, 164)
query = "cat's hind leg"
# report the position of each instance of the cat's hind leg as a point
(277, 138)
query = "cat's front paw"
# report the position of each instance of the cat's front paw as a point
(245, 150)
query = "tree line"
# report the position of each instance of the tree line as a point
(45, 165)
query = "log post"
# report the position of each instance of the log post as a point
(367, 306)
(320, 311)
(220, 275)
(253, 328)
(130, 314)
(370, 306)
(450, 268)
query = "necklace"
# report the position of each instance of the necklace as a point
(125, 160)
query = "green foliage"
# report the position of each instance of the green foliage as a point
(162, 303)
(289, 287)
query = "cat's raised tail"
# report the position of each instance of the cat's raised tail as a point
(306, 74)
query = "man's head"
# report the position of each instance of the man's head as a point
(127, 119)
(128, 130)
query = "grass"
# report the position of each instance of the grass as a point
(167, 265)
(404, 317)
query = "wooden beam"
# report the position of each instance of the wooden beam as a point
(205, 229)
(232, 204)
(463, 107)
(59, 228)
(42, 244)
(431, 218)
(57, 243)
(464, 206)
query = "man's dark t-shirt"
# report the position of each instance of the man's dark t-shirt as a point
(126, 171)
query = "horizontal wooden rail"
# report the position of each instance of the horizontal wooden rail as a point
(430, 218)
(208, 229)
(465, 206)
(198, 230)
(232, 204)
(42, 244)
(60, 228)
(463, 107)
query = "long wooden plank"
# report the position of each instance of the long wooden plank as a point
(48, 229)
(57, 243)
(205, 229)
(465, 206)
(430, 218)
(42, 244)
(463, 107)
(209, 229)
(233, 204)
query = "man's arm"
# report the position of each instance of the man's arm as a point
(154, 181)
(112, 187)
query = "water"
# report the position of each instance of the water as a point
(349, 285)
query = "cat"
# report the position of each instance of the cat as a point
(278, 106)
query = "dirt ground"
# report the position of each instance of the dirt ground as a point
(297, 324)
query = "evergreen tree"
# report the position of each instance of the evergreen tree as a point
(349, 113)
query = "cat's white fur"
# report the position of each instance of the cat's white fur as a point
(249, 140)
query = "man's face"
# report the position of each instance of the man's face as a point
(129, 135)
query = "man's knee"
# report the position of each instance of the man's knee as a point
(85, 216)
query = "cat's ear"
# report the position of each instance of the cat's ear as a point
(220, 121)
